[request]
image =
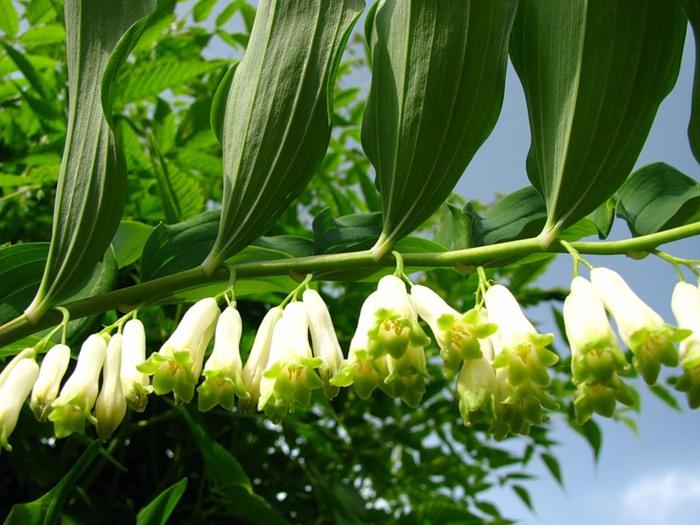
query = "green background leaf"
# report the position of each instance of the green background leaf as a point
(162, 506)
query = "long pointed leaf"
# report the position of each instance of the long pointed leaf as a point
(594, 73)
(92, 182)
(438, 74)
(692, 9)
(276, 123)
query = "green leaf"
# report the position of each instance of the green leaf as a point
(455, 230)
(129, 241)
(42, 36)
(202, 10)
(523, 495)
(666, 396)
(162, 506)
(91, 188)
(35, 79)
(692, 9)
(276, 129)
(438, 75)
(181, 195)
(657, 197)
(218, 102)
(594, 73)
(46, 510)
(9, 19)
(227, 475)
(552, 465)
(604, 217)
(348, 233)
(150, 79)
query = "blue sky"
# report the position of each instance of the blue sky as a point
(649, 479)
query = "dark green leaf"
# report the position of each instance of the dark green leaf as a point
(129, 241)
(692, 9)
(455, 230)
(603, 217)
(35, 79)
(552, 465)
(47, 509)
(438, 74)
(348, 233)
(218, 102)
(657, 197)
(594, 73)
(276, 128)
(523, 495)
(226, 473)
(162, 506)
(92, 182)
(666, 396)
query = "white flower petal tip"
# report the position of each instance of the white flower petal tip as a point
(14, 391)
(53, 368)
(135, 384)
(324, 341)
(110, 407)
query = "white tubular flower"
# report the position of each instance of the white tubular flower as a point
(360, 369)
(477, 388)
(72, 407)
(258, 358)
(685, 304)
(223, 370)
(110, 407)
(643, 330)
(16, 387)
(596, 355)
(518, 347)
(24, 354)
(406, 376)
(289, 376)
(178, 363)
(395, 326)
(324, 340)
(53, 368)
(135, 385)
(457, 334)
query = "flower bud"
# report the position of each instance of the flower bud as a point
(15, 389)
(177, 365)
(223, 370)
(395, 326)
(24, 354)
(457, 334)
(258, 358)
(643, 330)
(324, 340)
(517, 346)
(53, 368)
(685, 304)
(135, 385)
(110, 407)
(289, 376)
(77, 397)
(596, 357)
(360, 369)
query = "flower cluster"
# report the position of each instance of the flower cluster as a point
(500, 361)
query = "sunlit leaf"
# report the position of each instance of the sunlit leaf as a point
(162, 506)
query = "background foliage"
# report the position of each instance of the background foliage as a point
(340, 462)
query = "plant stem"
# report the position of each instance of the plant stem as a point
(501, 254)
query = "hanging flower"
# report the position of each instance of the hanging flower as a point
(477, 388)
(289, 376)
(45, 391)
(458, 335)
(361, 370)
(135, 384)
(596, 359)
(324, 340)
(24, 354)
(110, 407)
(685, 304)
(406, 378)
(650, 339)
(15, 389)
(177, 365)
(257, 359)
(518, 347)
(72, 407)
(223, 370)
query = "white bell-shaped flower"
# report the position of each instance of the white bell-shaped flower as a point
(477, 388)
(135, 384)
(223, 370)
(324, 341)
(24, 354)
(685, 304)
(110, 407)
(14, 391)
(650, 339)
(73, 405)
(258, 358)
(177, 365)
(289, 376)
(457, 334)
(53, 368)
